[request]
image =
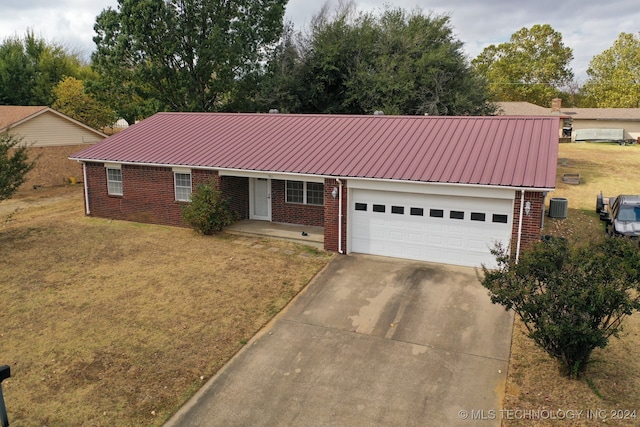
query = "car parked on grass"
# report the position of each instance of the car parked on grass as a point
(621, 213)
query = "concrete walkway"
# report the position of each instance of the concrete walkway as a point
(370, 342)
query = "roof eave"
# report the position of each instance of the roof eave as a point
(278, 173)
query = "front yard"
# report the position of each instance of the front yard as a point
(116, 323)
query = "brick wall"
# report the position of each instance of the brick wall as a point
(294, 213)
(52, 166)
(148, 194)
(531, 223)
(236, 189)
(331, 215)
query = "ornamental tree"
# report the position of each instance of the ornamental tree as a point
(14, 164)
(571, 299)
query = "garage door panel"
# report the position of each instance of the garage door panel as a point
(425, 237)
(416, 238)
(455, 243)
(478, 245)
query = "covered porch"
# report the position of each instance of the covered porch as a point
(312, 236)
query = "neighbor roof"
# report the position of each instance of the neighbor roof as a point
(500, 151)
(621, 114)
(12, 115)
(522, 109)
(529, 109)
(15, 115)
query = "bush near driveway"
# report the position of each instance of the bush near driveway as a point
(570, 299)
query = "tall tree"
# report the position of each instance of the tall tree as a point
(182, 55)
(533, 66)
(357, 63)
(614, 75)
(30, 68)
(72, 100)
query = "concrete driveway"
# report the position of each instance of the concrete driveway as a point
(371, 342)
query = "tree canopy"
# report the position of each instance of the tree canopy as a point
(570, 298)
(30, 67)
(614, 75)
(356, 63)
(72, 100)
(181, 55)
(531, 67)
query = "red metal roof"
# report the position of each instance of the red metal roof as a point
(500, 150)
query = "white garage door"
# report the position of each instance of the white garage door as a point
(448, 229)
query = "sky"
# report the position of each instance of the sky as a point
(587, 26)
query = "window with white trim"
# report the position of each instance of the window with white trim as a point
(114, 181)
(308, 193)
(182, 182)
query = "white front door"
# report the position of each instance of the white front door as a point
(260, 199)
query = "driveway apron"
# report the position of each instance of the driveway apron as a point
(371, 341)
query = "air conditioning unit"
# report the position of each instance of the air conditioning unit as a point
(558, 207)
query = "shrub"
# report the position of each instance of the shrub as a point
(571, 299)
(14, 164)
(208, 212)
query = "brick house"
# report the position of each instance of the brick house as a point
(441, 189)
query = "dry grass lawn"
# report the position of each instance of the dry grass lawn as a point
(611, 387)
(117, 323)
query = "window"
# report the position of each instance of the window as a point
(417, 211)
(114, 181)
(477, 216)
(315, 193)
(310, 193)
(183, 186)
(436, 213)
(361, 206)
(378, 208)
(500, 218)
(397, 210)
(456, 215)
(295, 192)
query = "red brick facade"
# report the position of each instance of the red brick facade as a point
(293, 213)
(148, 196)
(331, 210)
(531, 224)
(236, 190)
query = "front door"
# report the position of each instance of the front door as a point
(260, 199)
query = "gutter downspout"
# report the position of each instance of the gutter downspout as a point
(340, 217)
(86, 188)
(520, 225)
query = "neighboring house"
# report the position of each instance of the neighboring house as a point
(583, 124)
(441, 189)
(51, 137)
